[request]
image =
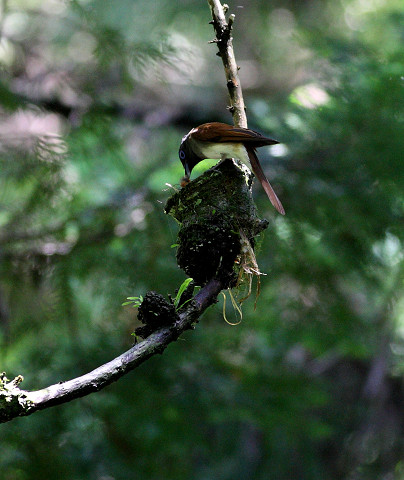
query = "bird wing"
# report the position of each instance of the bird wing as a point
(221, 132)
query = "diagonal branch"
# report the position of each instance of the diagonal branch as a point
(15, 402)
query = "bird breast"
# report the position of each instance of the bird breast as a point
(224, 150)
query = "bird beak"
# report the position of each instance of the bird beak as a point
(187, 170)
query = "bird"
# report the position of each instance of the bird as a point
(218, 140)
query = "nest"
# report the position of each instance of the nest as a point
(217, 218)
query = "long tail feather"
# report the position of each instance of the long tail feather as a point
(259, 173)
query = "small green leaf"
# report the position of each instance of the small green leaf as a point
(134, 301)
(181, 290)
(182, 304)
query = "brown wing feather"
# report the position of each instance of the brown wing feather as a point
(221, 132)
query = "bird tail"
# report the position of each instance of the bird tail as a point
(259, 173)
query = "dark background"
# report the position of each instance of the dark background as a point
(95, 97)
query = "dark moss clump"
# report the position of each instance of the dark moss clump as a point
(208, 250)
(155, 312)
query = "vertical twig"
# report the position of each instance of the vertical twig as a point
(225, 45)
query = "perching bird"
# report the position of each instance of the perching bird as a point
(219, 141)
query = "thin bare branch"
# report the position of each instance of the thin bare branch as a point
(226, 53)
(15, 402)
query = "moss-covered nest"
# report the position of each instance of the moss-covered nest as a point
(211, 211)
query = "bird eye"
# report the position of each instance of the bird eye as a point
(182, 154)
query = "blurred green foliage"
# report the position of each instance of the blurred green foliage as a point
(94, 99)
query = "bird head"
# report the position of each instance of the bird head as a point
(187, 155)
